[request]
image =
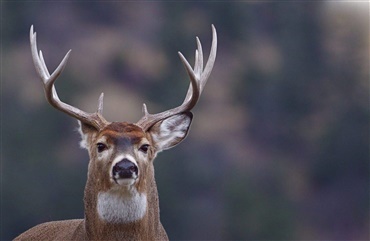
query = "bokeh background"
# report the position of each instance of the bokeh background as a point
(279, 146)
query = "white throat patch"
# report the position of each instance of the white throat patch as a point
(114, 207)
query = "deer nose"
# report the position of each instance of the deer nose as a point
(125, 169)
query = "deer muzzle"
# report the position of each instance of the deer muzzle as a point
(125, 169)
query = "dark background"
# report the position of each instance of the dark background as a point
(279, 146)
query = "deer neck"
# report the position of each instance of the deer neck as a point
(122, 215)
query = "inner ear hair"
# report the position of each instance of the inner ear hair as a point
(86, 128)
(171, 131)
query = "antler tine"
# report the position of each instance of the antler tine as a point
(198, 78)
(95, 119)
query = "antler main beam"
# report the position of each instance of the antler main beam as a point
(95, 119)
(198, 79)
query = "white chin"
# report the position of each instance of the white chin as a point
(125, 181)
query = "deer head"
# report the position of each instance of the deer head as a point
(121, 199)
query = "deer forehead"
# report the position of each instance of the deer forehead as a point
(122, 134)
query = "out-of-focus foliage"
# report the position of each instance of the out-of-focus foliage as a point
(278, 149)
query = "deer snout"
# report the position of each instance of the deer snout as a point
(125, 169)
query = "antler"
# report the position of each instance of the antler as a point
(198, 78)
(95, 119)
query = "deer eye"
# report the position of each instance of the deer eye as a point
(144, 148)
(101, 147)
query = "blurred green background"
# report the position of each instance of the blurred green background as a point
(279, 146)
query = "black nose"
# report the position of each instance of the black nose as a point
(124, 169)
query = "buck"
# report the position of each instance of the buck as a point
(121, 197)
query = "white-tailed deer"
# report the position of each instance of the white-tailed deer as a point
(121, 197)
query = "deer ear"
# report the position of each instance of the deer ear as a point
(171, 131)
(86, 131)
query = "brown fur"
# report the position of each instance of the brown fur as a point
(57, 230)
(112, 181)
(123, 138)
